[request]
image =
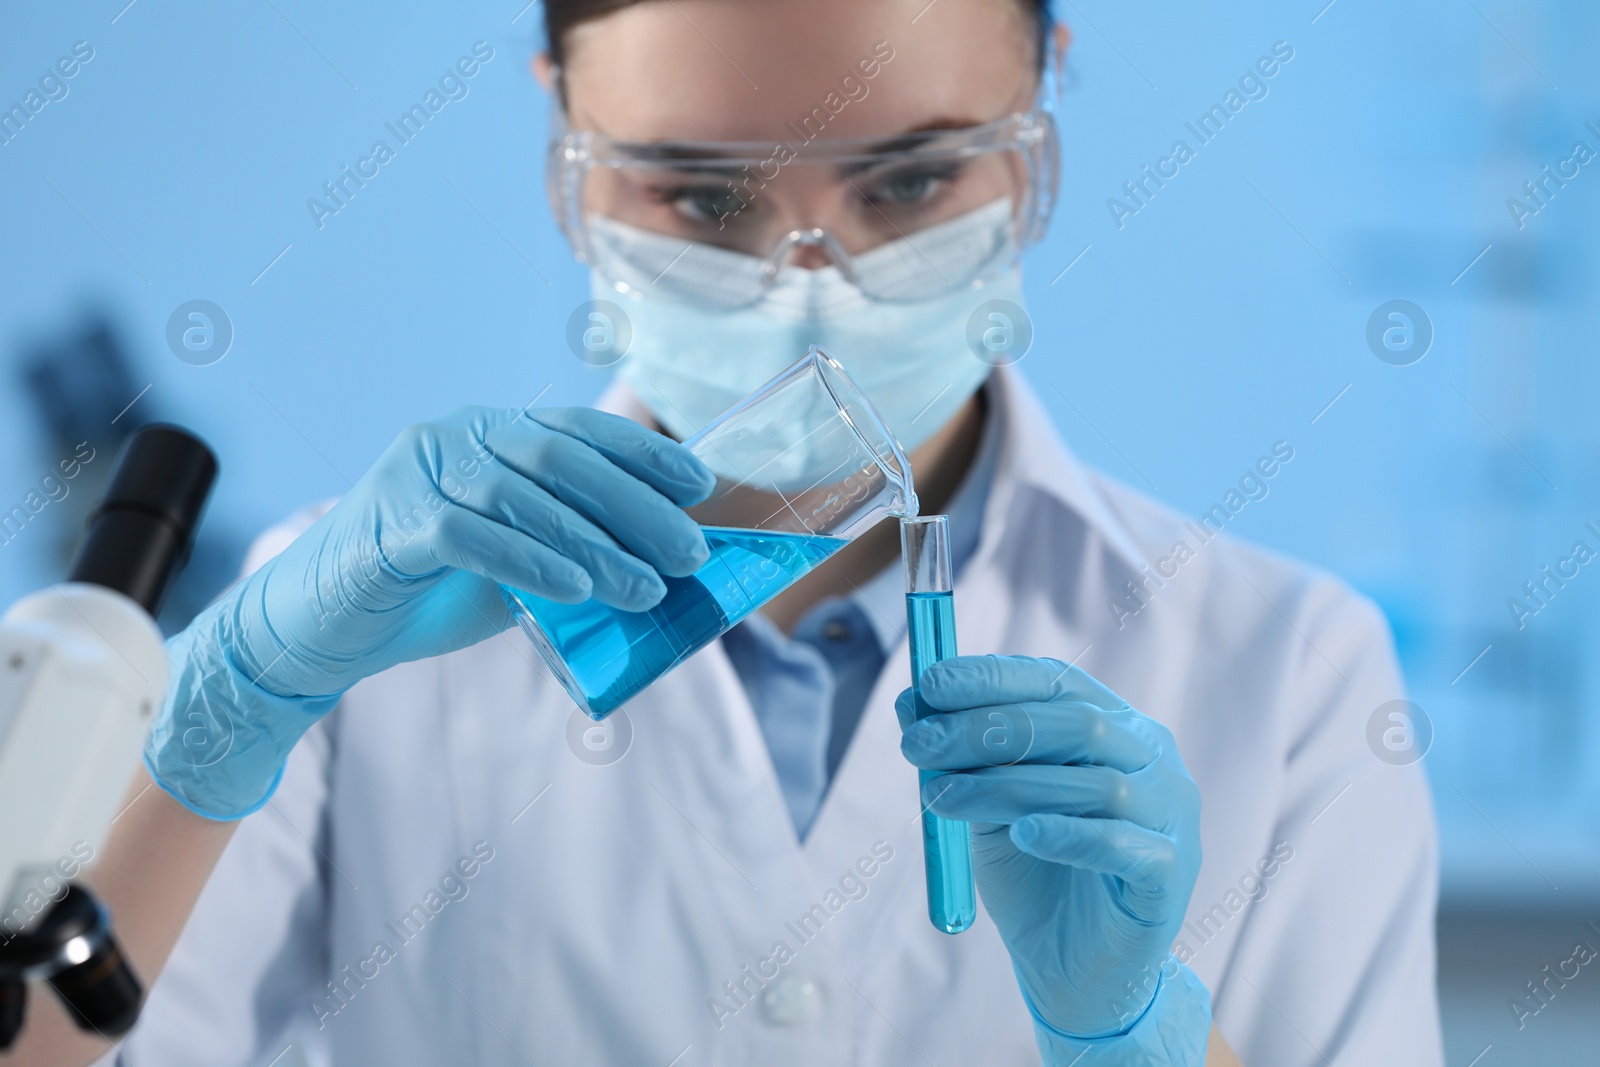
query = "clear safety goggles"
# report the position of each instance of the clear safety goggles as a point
(902, 218)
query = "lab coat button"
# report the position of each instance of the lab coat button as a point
(791, 1001)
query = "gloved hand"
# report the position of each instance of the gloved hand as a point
(1086, 845)
(563, 503)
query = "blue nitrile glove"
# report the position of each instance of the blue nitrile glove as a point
(564, 503)
(1086, 844)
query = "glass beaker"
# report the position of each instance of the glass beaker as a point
(803, 465)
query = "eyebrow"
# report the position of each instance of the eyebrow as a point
(713, 165)
(944, 123)
(916, 137)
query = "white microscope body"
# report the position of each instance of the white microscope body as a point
(83, 670)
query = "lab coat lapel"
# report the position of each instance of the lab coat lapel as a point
(1045, 527)
(875, 796)
(707, 746)
(719, 794)
(874, 792)
(872, 806)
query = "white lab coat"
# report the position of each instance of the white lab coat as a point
(621, 897)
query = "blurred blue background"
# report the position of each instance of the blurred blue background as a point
(1228, 313)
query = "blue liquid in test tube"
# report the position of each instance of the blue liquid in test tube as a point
(931, 622)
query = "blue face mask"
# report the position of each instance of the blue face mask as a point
(691, 357)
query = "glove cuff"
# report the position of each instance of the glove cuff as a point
(1173, 1030)
(220, 742)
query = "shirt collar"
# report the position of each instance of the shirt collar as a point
(1033, 455)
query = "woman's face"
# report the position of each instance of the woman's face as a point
(788, 70)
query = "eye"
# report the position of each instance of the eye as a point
(909, 186)
(700, 203)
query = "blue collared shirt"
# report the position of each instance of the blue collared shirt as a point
(809, 689)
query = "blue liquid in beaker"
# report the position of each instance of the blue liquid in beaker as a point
(610, 654)
(946, 844)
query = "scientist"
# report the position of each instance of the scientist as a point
(1183, 842)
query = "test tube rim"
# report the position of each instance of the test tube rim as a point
(942, 580)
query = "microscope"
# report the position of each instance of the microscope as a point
(83, 671)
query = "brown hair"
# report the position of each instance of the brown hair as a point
(562, 15)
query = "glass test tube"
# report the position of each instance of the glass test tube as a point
(931, 622)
